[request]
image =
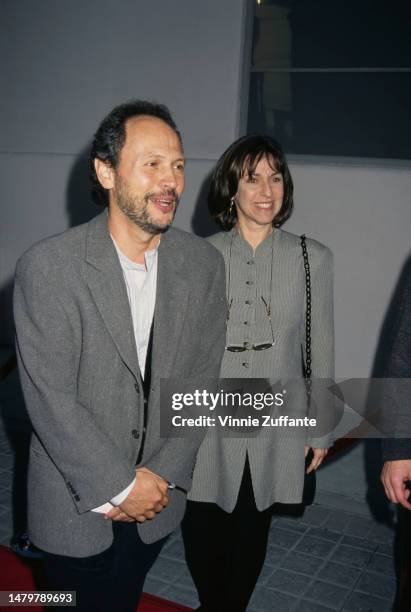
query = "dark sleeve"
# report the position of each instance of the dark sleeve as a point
(398, 365)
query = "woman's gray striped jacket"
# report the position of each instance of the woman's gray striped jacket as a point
(276, 458)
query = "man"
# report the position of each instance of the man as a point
(103, 311)
(396, 451)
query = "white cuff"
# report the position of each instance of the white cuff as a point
(115, 501)
(118, 499)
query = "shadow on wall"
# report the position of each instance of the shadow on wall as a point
(79, 202)
(80, 209)
(6, 312)
(201, 221)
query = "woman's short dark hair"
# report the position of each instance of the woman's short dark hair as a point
(241, 158)
(111, 135)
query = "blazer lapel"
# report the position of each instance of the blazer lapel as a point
(106, 282)
(171, 304)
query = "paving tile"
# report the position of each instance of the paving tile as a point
(327, 594)
(382, 564)
(154, 586)
(5, 475)
(359, 602)
(186, 581)
(315, 515)
(314, 546)
(376, 584)
(301, 563)
(358, 526)
(292, 525)
(275, 555)
(7, 463)
(6, 523)
(164, 569)
(6, 519)
(359, 543)
(265, 599)
(5, 470)
(5, 538)
(185, 597)
(338, 520)
(6, 492)
(6, 453)
(266, 573)
(382, 534)
(348, 555)
(309, 606)
(386, 549)
(342, 575)
(289, 582)
(175, 549)
(283, 537)
(325, 534)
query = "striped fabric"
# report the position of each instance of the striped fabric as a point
(276, 457)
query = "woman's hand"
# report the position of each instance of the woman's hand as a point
(318, 456)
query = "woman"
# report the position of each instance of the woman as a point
(237, 480)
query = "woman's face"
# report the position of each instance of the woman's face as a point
(260, 196)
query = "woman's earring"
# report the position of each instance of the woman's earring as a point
(230, 210)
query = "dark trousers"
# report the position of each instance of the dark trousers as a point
(403, 538)
(225, 552)
(111, 581)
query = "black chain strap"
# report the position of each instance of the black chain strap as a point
(308, 361)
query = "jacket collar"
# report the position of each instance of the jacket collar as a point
(106, 283)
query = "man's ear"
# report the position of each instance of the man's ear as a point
(105, 173)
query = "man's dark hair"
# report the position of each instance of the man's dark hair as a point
(111, 135)
(240, 159)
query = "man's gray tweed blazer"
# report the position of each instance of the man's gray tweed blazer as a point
(81, 380)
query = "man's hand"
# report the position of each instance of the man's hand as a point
(394, 476)
(145, 500)
(318, 456)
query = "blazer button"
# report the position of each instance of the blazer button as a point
(77, 497)
(135, 433)
(137, 387)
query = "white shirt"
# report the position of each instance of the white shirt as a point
(141, 284)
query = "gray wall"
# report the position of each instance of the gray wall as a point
(66, 64)
(363, 212)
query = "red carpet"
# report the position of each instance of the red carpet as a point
(17, 574)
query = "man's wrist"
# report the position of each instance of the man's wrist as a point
(118, 499)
